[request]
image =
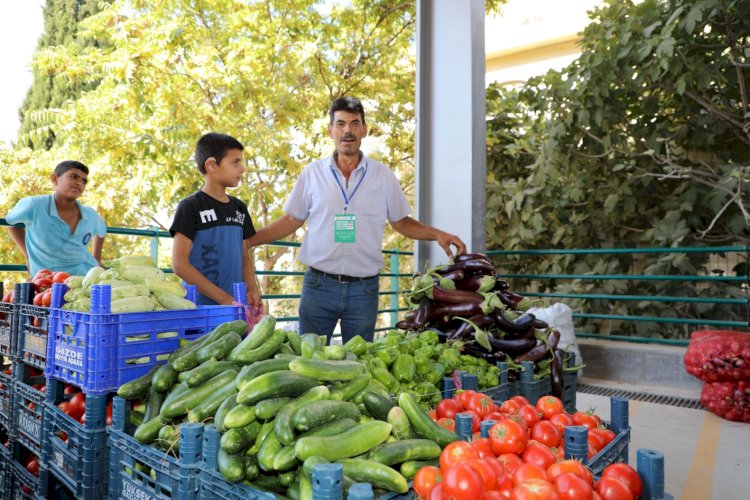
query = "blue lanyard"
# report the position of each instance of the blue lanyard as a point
(348, 199)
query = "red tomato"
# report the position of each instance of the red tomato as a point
(584, 418)
(77, 406)
(47, 298)
(596, 442)
(612, 488)
(572, 467)
(520, 400)
(539, 454)
(530, 414)
(433, 415)
(425, 480)
(456, 453)
(561, 421)
(509, 406)
(489, 479)
(41, 284)
(464, 397)
(60, 277)
(511, 462)
(534, 489)
(559, 451)
(43, 273)
(505, 484)
(37, 299)
(529, 471)
(437, 492)
(495, 464)
(549, 405)
(627, 475)
(492, 495)
(495, 415)
(448, 423)
(507, 436)
(546, 432)
(481, 404)
(573, 487)
(69, 389)
(461, 481)
(448, 408)
(33, 466)
(606, 435)
(483, 447)
(107, 414)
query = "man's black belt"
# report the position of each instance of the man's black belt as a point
(341, 278)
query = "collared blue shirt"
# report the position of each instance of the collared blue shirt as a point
(317, 198)
(49, 242)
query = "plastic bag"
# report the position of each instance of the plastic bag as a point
(252, 314)
(560, 316)
(730, 400)
(718, 355)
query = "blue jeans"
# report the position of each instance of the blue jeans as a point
(325, 301)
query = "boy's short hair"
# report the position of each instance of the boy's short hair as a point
(66, 165)
(214, 145)
(349, 104)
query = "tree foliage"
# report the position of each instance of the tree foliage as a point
(644, 140)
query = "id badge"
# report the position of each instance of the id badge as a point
(343, 228)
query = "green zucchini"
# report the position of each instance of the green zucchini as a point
(164, 378)
(249, 372)
(208, 369)
(267, 452)
(148, 431)
(355, 441)
(265, 429)
(239, 416)
(238, 326)
(268, 408)
(220, 348)
(262, 352)
(282, 425)
(260, 334)
(422, 424)
(408, 449)
(294, 341)
(326, 370)
(316, 413)
(273, 385)
(400, 422)
(377, 405)
(284, 459)
(137, 388)
(375, 473)
(207, 408)
(236, 440)
(221, 412)
(231, 466)
(410, 468)
(153, 403)
(331, 428)
(189, 399)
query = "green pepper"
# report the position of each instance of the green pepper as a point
(437, 372)
(404, 368)
(429, 337)
(426, 389)
(492, 380)
(450, 358)
(356, 345)
(493, 370)
(381, 373)
(467, 360)
(422, 362)
(385, 356)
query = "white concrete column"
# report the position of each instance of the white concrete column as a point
(450, 134)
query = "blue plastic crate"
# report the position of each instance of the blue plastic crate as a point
(22, 483)
(100, 351)
(212, 484)
(76, 454)
(5, 460)
(28, 410)
(576, 440)
(8, 329)
(532, 389)
(6, 396)
(140, 471)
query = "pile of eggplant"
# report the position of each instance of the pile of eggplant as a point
(472, 308)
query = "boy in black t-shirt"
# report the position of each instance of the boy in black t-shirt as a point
(211, 228)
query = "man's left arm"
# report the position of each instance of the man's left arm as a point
(412, 228)
(97, 242)
(248, 274)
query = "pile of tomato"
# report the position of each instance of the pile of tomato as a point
(74, 405)
(43, 281)
(523, 457)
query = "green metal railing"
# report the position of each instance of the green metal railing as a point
(743, 281)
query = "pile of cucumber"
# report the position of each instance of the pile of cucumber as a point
(283, 403)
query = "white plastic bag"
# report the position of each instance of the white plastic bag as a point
(560, 316)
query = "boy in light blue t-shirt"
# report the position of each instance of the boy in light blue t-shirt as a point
(58, 229)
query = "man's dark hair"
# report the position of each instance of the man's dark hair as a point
(66, 165)
(214, 145)
(347, 103)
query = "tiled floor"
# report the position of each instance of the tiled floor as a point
(705, 457)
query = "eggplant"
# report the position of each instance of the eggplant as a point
(556, 374)
(478, 352)
(471, 256)
(464, 310)
(506, 299)
(481, 266)
(405, 324)
(513, 346)
(501, 285)
(540, 324)
(423, 313)
(553, 338)
(455, 296)
(409, 315)
(456, 275)
(469, 284)
(534, 354)
(466, 329)
(519, 326)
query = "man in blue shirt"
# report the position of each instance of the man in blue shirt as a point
(346, 200)
(57, 228)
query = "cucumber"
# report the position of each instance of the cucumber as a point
(285, 349)
(238, 326)
(315, 413)
(400, 422)
(267, 452)
(408, 449)
(273, 385)
(377, 405)
(206, 370)
(249, 372)
(153, 403)
(136, 418)
(311, 344)
(331, 428)
(321, 369)
(262, 352)
(265, 429)
(347, 390)
(260, 333)
(284, 459)
(251, 467)
(169, 438)
(221, 412)
(334, 352)
(375, 473)
(235, 440)
(294, 341)
(410, 468)
(239, 416)
(307, 465)
(282, 424)
(175, 392)
(268, 408)
(220, 348)
(189, 399)
(268, 482)
(137, 388)
(355, 441)
(164, 378)
(305, 488)
(148, 431)
(231, 466)
(207, 408)
(286, 478)
(422, 424)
